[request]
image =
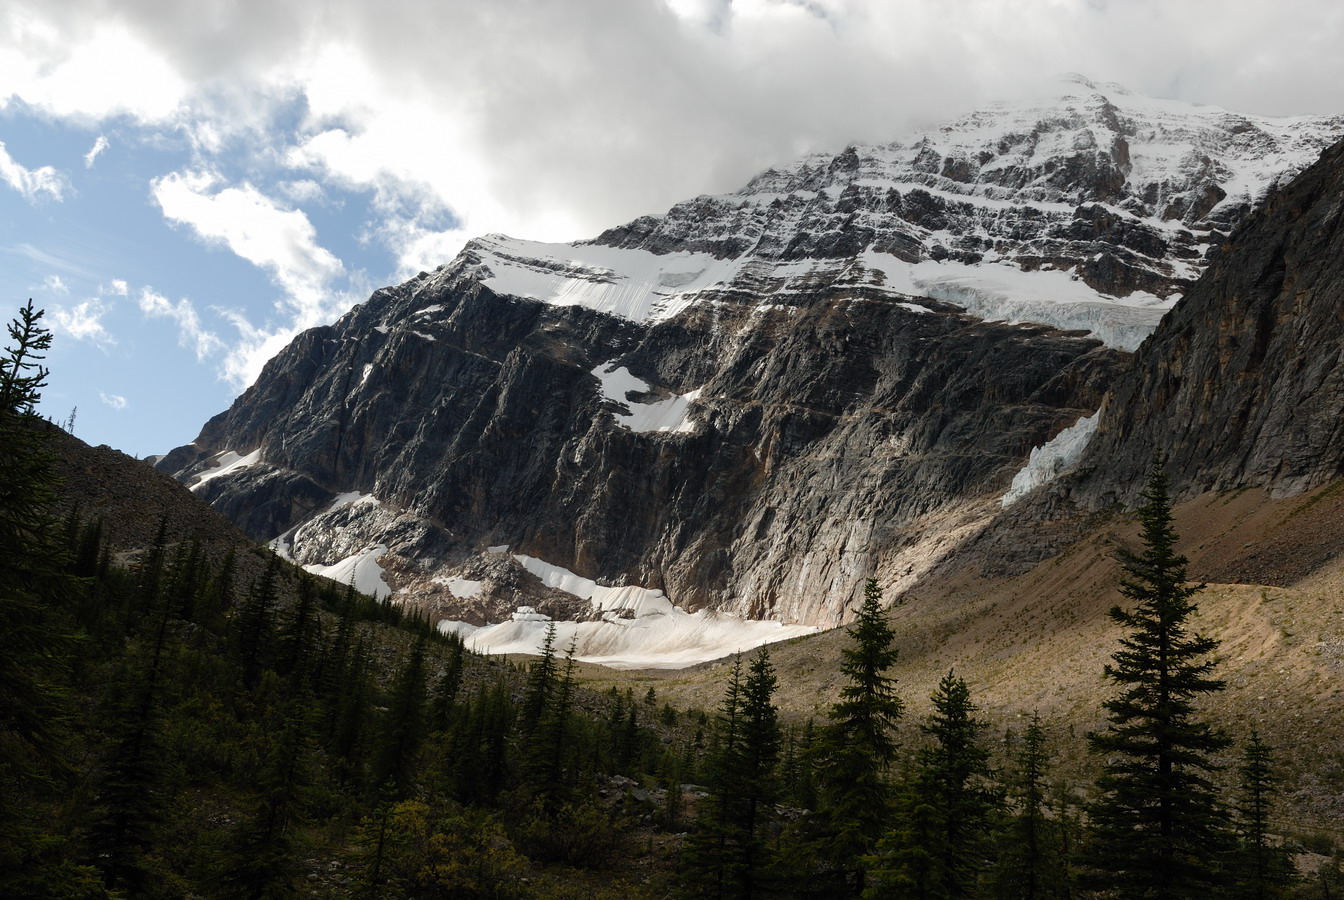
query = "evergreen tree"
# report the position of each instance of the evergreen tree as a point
(857, 747)
(727, 855)
(36, 645)
(549, 743)
(1156, 826)
(450, 682)
(949, 806)
(796, 766)
(298, 634)
(260, 859)
(540, 683)
(32, 581)
(403, 725)
(254, 626)
(1032, 852)
(1260, 869)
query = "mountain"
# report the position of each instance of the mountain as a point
(744, 407)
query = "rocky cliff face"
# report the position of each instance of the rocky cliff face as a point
(755, 401)
(1243, 385)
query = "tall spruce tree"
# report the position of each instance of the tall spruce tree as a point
(939, 846)
(33, 648)
(402, 726)
(726, 856)
(1157, 828)
(1032, 858)
(857, 747)
(36, 644)
(1260, 868)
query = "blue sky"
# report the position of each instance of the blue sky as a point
(146, 305)
(184, 187)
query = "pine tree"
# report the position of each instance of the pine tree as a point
(856, 749)
(260, 858)
(1260, 869)
(540, 683)
(1032, 854)
(254, 626)
(298, 634)
(549, 743)
(949, 806)
(33, 648)
(1156, 826)
(727, 855)
(36, 645)
(403, 726)
(450, 682)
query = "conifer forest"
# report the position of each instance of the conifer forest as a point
(185, 722)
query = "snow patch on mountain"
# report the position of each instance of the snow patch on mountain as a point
(1050, 459)
(670, 414)
(1005, 293)
(226, 463)
(360, 569)
(633, 284)
(639, 628)
(461, 588)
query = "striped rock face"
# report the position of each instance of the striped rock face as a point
(741, 409)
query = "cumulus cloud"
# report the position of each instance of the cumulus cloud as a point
(118, 287)
(53, 284)
(281, 241)
(83, 322)
(190, 332)
(116, 401)
(555, 121)
(98, 147)
(31, 183)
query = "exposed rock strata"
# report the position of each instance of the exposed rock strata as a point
(822, 432)
(840, 418)
(1243, 383)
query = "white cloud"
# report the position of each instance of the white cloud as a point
(98, 147)
(253, 226)
(70, 60)
(116, 401)
(281, 241)
(190, 332)
(83, 322)
(118, 287)
(31, 182)
(557, 120)
(304, 190)
(53, 284)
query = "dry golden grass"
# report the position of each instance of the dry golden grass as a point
(1039, 641)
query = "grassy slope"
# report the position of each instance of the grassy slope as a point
(1039, 641)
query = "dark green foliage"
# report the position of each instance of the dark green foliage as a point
(1156, 826)
(540, 683)
(942, 846)
(260, 861)
(254, 624)
(36, 643)
(450, 682)
(857, 747)
(1033, 852)
(413, 849)
(548, 744)
(32, 570)
(297, 636)
(726, 855)
(402, 728)
(796, 766)
(1260, 868)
